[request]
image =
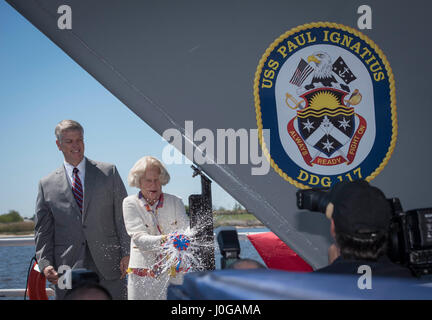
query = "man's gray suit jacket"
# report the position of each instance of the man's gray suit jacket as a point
(61, 231)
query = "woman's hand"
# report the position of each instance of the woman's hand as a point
(50, 274)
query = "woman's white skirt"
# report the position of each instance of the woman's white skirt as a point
(149, 288)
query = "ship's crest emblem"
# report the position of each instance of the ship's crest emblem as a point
(327, 95)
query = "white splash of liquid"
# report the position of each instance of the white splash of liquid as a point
(180, 253)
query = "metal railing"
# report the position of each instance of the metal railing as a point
(18, 242)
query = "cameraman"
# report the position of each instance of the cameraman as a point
(360, 221)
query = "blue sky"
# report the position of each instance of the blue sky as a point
(40, 85)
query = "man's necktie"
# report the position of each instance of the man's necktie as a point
(77, 189)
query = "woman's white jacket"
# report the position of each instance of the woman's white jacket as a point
(145, 236)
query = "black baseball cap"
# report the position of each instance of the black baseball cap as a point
(359, 208)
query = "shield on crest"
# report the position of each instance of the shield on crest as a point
(326, 124)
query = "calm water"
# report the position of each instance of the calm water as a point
(14, 261)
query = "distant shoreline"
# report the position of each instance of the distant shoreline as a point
(238, 219)
(240, 224)
(235, 224)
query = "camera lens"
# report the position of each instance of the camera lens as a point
(313, 199)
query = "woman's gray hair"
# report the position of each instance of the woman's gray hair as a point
(66, 125)
(139, 168)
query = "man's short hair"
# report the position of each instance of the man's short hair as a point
(246, 264)
(66, 125)
(353, 248)
(88, 291)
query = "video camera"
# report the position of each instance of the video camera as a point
(410, 234)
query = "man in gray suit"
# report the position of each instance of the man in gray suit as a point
(79, 218)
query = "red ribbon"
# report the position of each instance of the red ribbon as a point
(355, 141)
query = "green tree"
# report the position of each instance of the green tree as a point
(237, 207)
(11, 216)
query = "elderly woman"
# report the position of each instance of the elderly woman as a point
(150, 218)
